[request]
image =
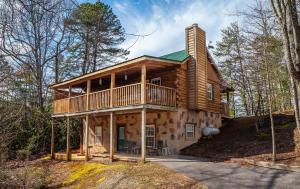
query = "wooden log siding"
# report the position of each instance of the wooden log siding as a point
(127, 95)
(100, 99)
(160, 95)
(78, 103)
(197, 68)
(214, 79)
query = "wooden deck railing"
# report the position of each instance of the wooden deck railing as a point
(78, 103)
(127, 95)
(61, 105)
(100, 100)
(160, 95)
(122, 96)
(224, 109)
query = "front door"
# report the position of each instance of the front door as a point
(121, 138)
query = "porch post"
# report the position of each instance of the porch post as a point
(112, 85)
(227, 94)
(86, 137)
(143, 137)
(111, 138)
(81, 138)
(88, 90)
(52, 140)
(68, 140)
(68, 128)
(143, 84)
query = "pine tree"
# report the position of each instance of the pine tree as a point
(98, 33)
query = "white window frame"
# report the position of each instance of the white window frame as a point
(156, 81)
(189, 128)
(98, 135)
(210, 91)
(148, 136)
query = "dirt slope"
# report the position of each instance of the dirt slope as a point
(239, 139)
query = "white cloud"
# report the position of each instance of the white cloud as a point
(169, 25)
(120, 6)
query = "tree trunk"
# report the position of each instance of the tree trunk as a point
(296, 102)
(269, 96)
(86, 53)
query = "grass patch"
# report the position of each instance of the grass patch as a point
(263, 136)
(84, 170)
(46, 158)
(102, 179)
(83, 173)
(286, 126)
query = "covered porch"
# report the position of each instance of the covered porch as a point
(129, 135)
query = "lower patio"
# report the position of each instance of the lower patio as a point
(104, 157)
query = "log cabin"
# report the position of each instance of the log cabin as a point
(145, 105)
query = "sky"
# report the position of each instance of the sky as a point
(164, 21)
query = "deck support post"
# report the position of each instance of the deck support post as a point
(111, 138)
(86, 137)
(227, 95)
(68, 140)
(143, 137)
(81, 139)
(52, 140)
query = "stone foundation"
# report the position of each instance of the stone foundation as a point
(169, 128)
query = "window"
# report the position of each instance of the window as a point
(156, 81)
(210, 91)
(189, 130)
(98, 135)
(150, 135)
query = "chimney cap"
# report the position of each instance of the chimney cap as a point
(195, 25)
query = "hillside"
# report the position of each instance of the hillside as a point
(239, 140)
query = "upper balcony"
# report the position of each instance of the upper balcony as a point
(123, 96)
(131, 88)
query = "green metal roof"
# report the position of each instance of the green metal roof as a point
(176, 56)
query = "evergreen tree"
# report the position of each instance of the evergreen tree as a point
(98, 33)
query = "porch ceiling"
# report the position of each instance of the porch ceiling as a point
(128, 67)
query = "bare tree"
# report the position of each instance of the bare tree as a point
(287, 17)
(32, 39)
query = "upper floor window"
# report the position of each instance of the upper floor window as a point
(210, 91)
(156, 81)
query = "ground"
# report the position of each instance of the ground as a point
(221, 175)
(62, 174)
(239, 139)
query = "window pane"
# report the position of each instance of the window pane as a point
(150, 135)
(189, 130)
(98, 135)
(98, 130)
(98, 140)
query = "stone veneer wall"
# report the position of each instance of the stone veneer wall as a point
(170, 127)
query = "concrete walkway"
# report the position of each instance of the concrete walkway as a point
(227, 175)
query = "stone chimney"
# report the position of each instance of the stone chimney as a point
(197, 68)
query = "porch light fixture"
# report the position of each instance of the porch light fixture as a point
(125, 77)
(100, 81)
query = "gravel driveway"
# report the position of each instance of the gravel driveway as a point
(227, 175)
